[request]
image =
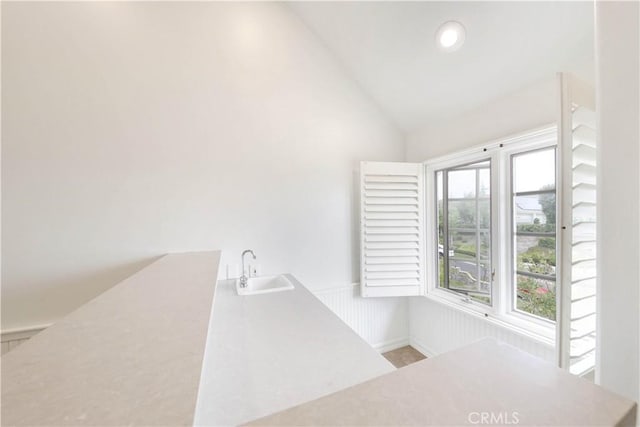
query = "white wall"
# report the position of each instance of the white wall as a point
(618, 112)
(136, 129)
(530, 107)
(434, 327)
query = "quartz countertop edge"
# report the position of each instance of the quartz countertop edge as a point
(458, 387)
(131, 356)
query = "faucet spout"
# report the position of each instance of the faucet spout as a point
(243, 278)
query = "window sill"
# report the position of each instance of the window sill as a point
(542, 334)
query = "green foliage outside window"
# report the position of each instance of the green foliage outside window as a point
(536, 299)
(538, 296)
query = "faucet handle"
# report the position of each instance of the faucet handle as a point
(253, 271)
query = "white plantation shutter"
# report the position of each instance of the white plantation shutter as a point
(391, 229)
(582, 333)
(578, 322)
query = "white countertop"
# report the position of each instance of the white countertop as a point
(485, 383)
(131, 356)
(268, 352)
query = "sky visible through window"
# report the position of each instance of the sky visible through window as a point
(536, 170)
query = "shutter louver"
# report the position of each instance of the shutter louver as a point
(582, 335)
(392, 229)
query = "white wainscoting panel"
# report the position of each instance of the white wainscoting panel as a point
(436, 328)
(382, 322)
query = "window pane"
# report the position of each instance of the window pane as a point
(536, 255)
(461, 183)
(464, 238)
(535, 213)
(485, 182)
(535, 170)
(485, 213)
(536, 296)
(440, 225)
(462, 213)
(534, 240)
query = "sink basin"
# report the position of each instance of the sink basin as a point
(264, 285)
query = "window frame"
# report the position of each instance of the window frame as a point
(465, 298)
(511, 309)
(502, 310)
(432, 167)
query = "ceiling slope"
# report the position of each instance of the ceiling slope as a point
(389, 48)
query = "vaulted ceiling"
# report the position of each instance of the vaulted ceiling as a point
(389, 49)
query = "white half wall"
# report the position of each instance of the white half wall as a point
(382, 322)
(133, 129)
(618, 117)
(436, 328)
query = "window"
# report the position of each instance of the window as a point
(505, 231)
(533, 207)
(464, 230)
(477, 230)
(494, 226)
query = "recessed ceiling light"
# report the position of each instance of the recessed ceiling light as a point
(450, 36)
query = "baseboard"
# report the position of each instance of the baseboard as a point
(383, 347)
(21, 333)
(415, 343)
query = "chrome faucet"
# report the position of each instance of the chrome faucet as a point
(243, 278)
